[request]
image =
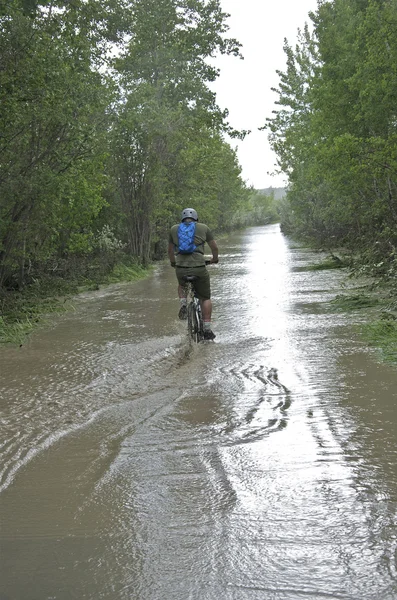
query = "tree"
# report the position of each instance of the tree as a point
(343, 167)
(105, 107)
(167, 108)
(53, 128)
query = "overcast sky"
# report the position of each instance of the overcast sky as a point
(244, 86)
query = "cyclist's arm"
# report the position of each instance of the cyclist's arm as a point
(171, 253)
(214, 248)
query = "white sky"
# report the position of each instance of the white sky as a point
(244, 87)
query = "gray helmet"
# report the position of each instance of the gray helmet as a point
(189, 213)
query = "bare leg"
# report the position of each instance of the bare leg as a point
(206, 307)
(182, 300)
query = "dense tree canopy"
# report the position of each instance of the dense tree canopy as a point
(107, 128)
(335, 131)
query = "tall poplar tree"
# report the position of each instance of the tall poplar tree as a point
(341, 158)
(167, 109)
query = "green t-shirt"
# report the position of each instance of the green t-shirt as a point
(196, 259)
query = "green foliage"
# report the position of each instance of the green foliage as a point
(258, 209)
(335, 132)
(126, 272)
(108, 128)
(15, 332)
(382, 334)
(333, 262)
(22, 312)
(354, 302)
(167, 146)
(52, 121)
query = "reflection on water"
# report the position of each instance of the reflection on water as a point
(135, 465)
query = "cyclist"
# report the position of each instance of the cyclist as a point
(194, 264)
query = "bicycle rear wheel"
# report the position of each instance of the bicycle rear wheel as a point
(194, 321)
(191, 321)
(199, 322)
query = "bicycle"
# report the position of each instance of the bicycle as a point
(195, 325)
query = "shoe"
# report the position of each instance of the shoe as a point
(209, 335)
(183, 312)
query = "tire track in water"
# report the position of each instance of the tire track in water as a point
(266, 406)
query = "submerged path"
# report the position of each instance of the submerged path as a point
(135, 466)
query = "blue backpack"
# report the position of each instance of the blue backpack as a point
(186, 233)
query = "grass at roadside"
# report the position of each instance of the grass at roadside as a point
(345, 302)
(382, 334)
(332, 262)
(381, 331)
(378, 298)
(22, 312)
(123, 272)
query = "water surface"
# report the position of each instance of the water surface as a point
(135, 465)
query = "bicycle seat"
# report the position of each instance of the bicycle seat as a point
(190, 278)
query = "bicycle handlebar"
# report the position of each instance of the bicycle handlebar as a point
(207, 262)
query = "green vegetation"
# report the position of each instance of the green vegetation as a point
(261, 208)
(123, 272)
(351, 302)
(333, 262)
(108, 128)
(22, 311)
(14, 332)
(335, 133)
(381, 331)
(382, 334)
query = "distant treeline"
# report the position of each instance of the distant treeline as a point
(108, 128)
(335, 131)
(261, 208)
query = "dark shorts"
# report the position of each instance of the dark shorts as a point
(202, 285)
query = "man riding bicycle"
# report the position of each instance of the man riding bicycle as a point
(193, 263)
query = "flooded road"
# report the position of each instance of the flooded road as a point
(263, 466)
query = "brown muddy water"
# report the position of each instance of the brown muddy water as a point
(137, 466)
